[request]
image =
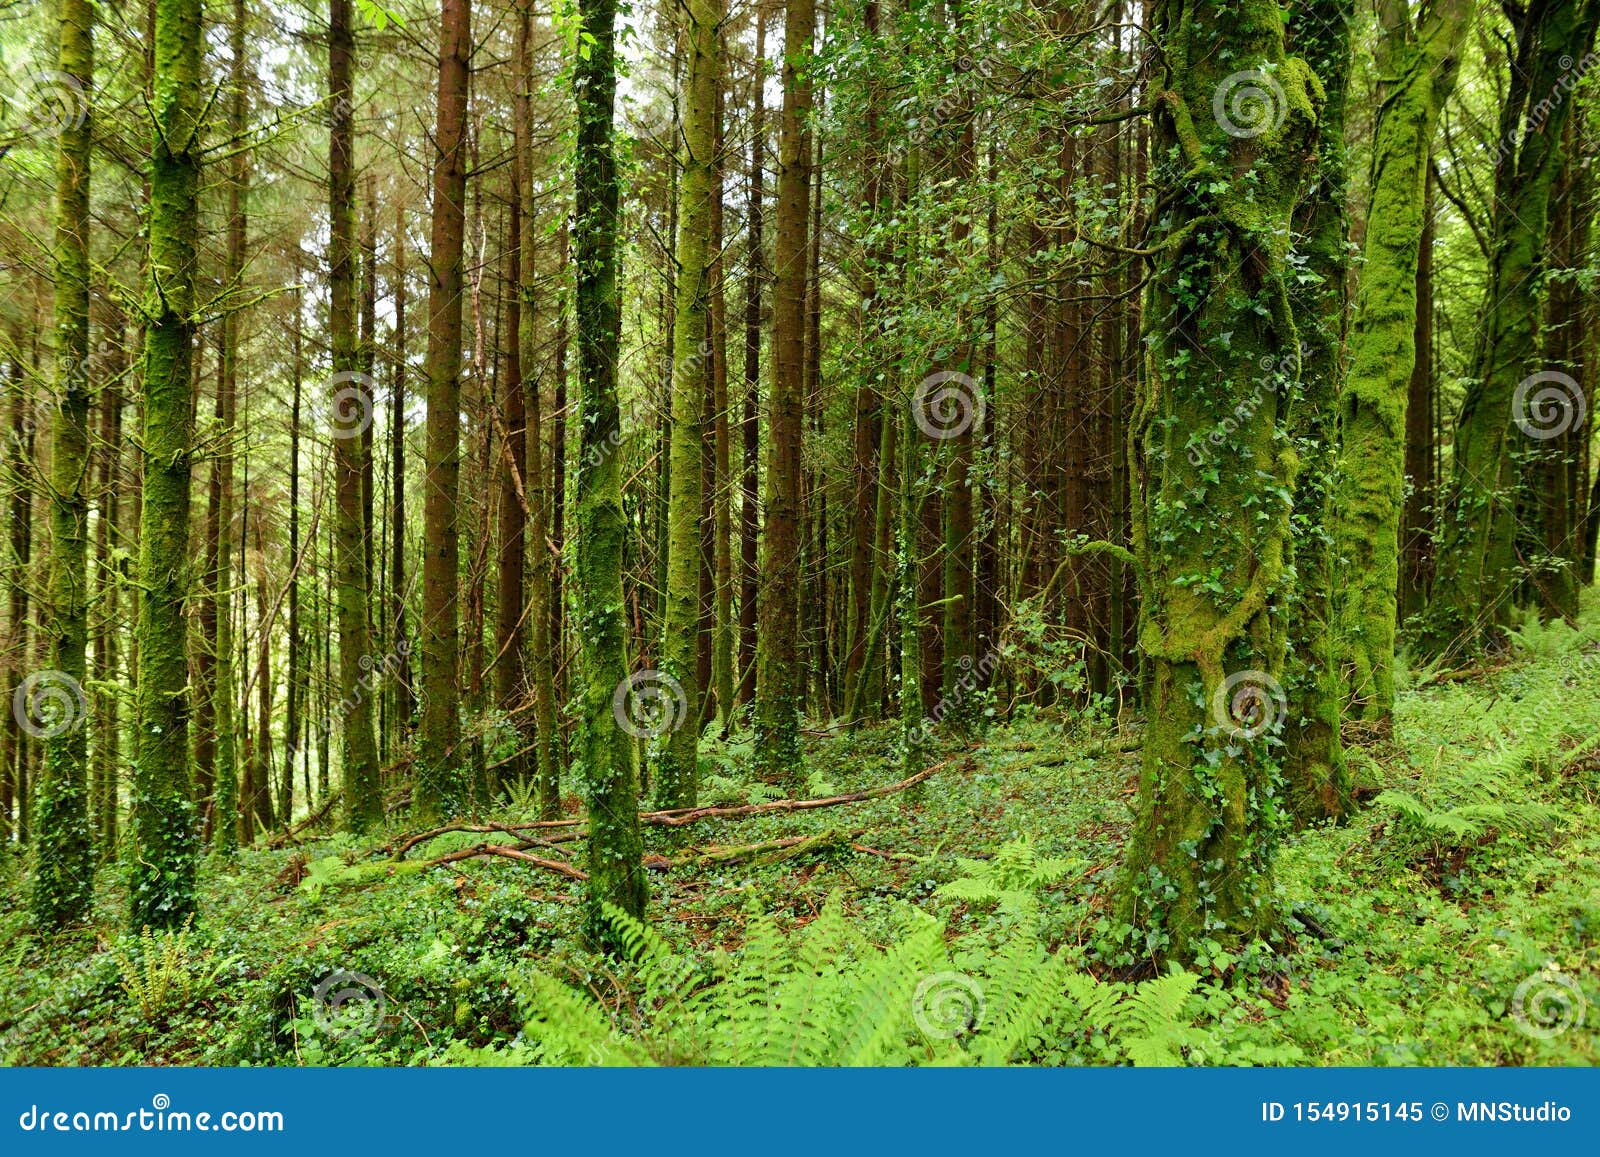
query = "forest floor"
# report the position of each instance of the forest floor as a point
(1471, 873)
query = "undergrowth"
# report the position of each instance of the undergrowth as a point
(1455, 920)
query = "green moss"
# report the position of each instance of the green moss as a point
(161, 885)
(64, 875)
(605, 750)
(1382, 353)
(1212, 532)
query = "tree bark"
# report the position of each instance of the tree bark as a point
(161, 889)
(441, 786)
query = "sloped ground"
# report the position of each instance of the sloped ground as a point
(1471, 875)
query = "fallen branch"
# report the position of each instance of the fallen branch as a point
(513, 829)
(767, 851)
(510, 852)
(674, 817)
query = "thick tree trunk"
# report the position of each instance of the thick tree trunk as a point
(1198, 864)
(778, 680)
(616, 873)
(1317, 779)
(1382, 346)
(161, 888)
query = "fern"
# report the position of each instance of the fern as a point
(1012, 879)
(164, 972)
(826, 996)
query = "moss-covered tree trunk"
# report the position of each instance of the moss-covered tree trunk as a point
(676, 780)
(63, 880)
(616, 873)
(1317, 780)
(1419, 68)
(161, 887)
(350, 404)
(1235, 130)
(779, 680)
(441, 783)
(1511, 394)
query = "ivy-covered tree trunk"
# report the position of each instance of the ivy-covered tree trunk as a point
(63, 880)
(779, 680)
(161, 888)
(616, 871)
(1511, 393)
(441, 784)
(1419, 66)
(1316, 778)
(1235, 130)
(676, 780)
(350, 405)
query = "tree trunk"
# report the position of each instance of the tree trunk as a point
(543, 623)
(616, 873)
(1317, 779)
(1510, 383)
(351, 404)
(778, 680)
(677, 773)
(161, 891)
(55, 703)
(755, 273)
(1382, 349)
(441, 787)
(1198, 864)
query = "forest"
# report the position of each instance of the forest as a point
(767, 532)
